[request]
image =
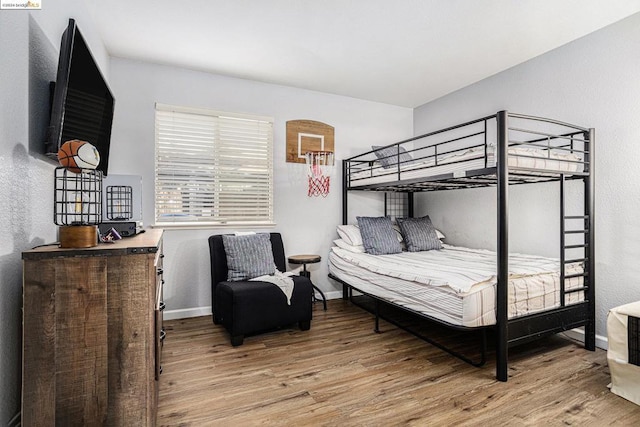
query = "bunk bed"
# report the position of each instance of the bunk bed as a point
(497, 151)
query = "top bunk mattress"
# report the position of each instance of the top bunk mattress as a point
(519, 158)
(538, 150)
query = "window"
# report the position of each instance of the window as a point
(213, 168)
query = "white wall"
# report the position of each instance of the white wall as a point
(29, 45)
(593, 82)
(307, 224)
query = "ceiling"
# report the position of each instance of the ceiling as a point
(400, 52)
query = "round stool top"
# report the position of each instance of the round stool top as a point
(304, 259)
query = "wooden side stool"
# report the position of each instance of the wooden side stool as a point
(304, 260)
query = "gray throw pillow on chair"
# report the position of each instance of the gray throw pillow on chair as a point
(248, 256)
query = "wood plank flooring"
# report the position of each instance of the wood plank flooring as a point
(342, 373)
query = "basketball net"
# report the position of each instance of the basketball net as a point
(319, 168)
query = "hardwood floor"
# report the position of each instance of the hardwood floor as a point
(342, 373)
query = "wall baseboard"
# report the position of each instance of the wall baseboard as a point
(576, 334)
(333, 295)
(186, 313)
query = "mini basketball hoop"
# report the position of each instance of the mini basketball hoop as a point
(319, 168)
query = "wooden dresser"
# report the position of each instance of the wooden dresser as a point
(92, 333)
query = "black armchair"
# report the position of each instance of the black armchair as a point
(247, 307)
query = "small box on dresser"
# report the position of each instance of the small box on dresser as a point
(91, 333)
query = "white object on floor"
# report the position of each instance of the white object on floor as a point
(625, 376)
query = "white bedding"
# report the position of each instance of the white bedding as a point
(456, 285)
(468, 160)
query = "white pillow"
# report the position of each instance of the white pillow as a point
(359, 249)
(440, 235)
(350, 234)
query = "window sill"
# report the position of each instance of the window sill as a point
(208, 226)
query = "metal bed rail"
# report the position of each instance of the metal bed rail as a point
(469, 147)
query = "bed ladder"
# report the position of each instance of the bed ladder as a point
(572, 226)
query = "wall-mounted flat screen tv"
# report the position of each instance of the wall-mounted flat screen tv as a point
(82, 103)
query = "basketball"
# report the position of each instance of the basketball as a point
(76, 155)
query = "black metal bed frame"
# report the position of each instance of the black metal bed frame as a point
(378, 315)
(574, 139)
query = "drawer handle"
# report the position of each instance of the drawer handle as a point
(163, 335)
(161, 306)
(159, 272)
(161, 255)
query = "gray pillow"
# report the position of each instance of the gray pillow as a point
(248, 256)
(378, 236)
(419, 234)
(389, 156)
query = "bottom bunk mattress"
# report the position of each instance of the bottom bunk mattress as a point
(456, 285)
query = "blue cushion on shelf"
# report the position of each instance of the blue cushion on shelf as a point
(378, 236)
(419, 234)
(248, 256)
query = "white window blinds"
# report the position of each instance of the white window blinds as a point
(212, 168)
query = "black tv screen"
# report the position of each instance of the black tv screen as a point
(82, 104)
